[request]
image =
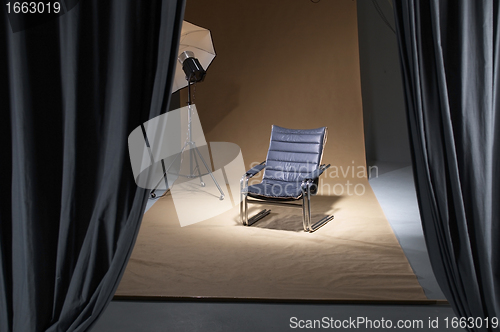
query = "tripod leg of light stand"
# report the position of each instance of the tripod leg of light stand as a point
(146, 140)
(164, 172)
(198, 168)
(153, 192)
(209, 172)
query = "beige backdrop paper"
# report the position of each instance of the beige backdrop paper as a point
(290, 63)
(354, 257)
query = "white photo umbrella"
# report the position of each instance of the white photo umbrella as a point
(199, 41)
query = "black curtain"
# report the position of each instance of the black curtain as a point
(450, 63)
(72, 89)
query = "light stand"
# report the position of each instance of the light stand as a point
(194, 73)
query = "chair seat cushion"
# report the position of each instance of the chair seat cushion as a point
(275, 189)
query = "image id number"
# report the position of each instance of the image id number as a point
(33, 7)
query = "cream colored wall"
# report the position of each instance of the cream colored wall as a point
(293, 63)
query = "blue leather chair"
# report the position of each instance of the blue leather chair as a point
(291, 172)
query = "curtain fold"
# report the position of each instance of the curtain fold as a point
(449, 52)
(72, 89)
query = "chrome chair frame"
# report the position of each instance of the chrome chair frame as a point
(305, 205)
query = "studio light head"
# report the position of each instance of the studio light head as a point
(192, 67)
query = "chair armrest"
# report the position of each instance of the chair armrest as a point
(316, 173)
(253, 171)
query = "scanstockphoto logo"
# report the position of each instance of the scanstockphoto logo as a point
(169, 152)
(348, 180)
(27, 14)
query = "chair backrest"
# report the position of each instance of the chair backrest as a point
(293, 153)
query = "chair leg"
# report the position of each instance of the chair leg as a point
(320, 223)
(244, 213)
(306, 210)
(258, 217)
(244, 206)
(243, 201)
